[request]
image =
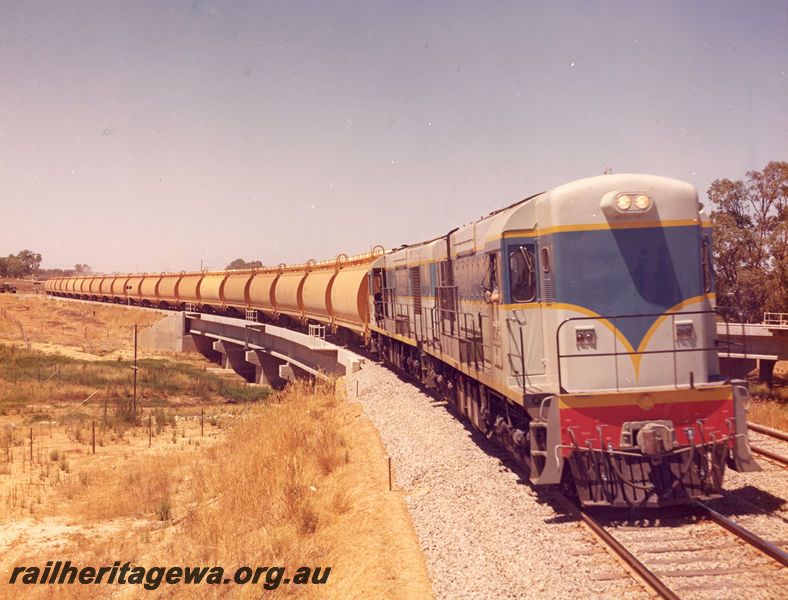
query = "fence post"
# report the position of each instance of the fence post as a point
(134, 410)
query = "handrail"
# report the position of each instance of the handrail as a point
(775, 319)
(427, 326)
(614, 319)
(522, 349)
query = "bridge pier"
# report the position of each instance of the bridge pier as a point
(737, 368)
(234, 357)
(766, 371)
(204, 346)
(265, 353)
(267, 368)
(745, 346)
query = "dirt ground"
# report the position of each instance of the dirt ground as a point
(80, 329)
(24, 286)
(56, 491)
(43, 463)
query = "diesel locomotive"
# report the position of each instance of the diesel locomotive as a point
(576, 327)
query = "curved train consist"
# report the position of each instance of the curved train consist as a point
(576, 327)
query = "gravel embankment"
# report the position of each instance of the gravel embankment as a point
(484, 531)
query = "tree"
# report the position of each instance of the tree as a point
(12, 266)
(80, 269)
(750, 228)
(31, 261)
(240, 263)
(23, 263)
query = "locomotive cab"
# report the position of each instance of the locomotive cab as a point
(642, 416)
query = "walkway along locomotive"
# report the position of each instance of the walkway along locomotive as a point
(576, 327)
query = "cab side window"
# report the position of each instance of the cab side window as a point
(522, 274)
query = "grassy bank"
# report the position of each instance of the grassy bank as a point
(31, 380)
(298, 481)
(770, 413)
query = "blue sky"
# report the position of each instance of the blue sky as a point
(165, 135)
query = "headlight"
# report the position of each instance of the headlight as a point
(642, 202)
(617, 204)
(623, 202)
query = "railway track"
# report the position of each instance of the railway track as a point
(770, 443)
(694, 553)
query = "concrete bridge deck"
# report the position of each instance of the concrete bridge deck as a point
(745, 346)
(260, 353)
(263, 353)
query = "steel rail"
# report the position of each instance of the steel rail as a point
(769, 454)
(746, 535)
(638, 568)
(775, 433)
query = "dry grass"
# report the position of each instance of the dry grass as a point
(136, 490)
(91, 328)
(769, 414)
(299, 481)
(282, 491)
(296, 481)
(770, 404)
